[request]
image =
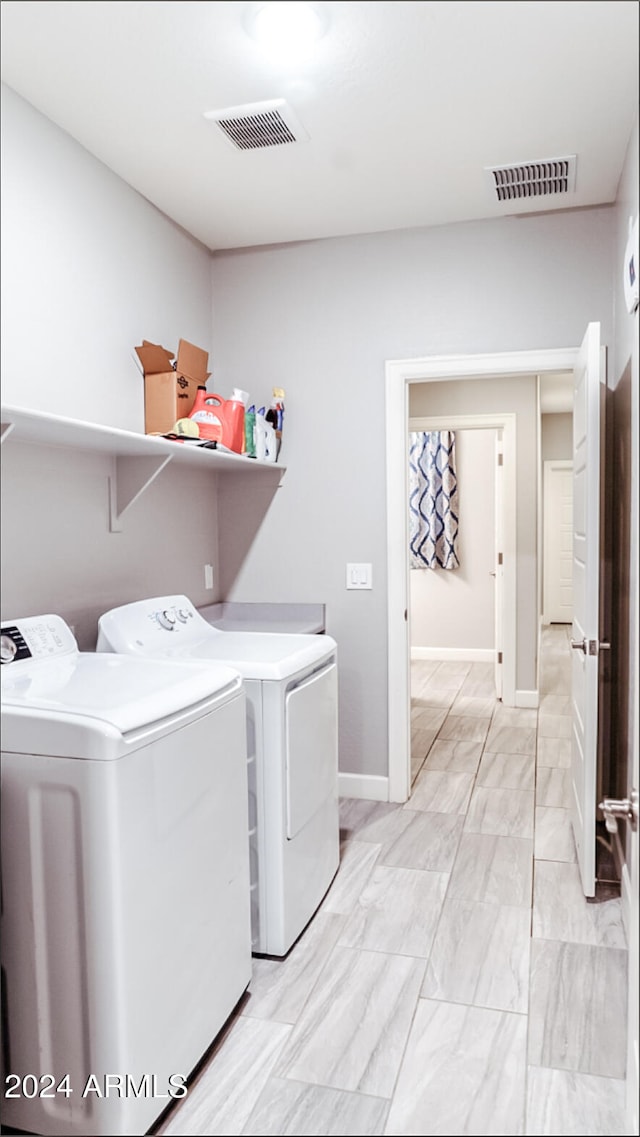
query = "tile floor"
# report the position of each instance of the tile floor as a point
(454, 980)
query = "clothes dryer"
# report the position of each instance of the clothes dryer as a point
(292, 746)
(125, 878)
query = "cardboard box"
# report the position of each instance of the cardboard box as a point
(170, 388)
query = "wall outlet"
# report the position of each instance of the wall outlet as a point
(208, 576)
(359, 576)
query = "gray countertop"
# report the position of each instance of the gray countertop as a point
(234, 616)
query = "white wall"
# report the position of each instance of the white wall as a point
(320, 319)
(89, 268)
(556, 437)
(455, 609)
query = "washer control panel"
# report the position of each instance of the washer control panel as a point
(170, 618)
(162, 623)
(36, 637)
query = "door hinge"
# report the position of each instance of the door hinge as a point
(499, 558)
(500, 459)
(499, 657)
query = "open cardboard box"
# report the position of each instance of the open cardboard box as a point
(170, 389)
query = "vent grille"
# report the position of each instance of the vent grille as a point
(257, 126)
(533, 179)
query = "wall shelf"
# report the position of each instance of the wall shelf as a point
(137, 458)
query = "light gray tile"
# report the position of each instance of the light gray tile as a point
(397, 912)
(294, 1109)
(354, 1028)
(474, 706)
(360, 820)
(554, 726)
(561, 912)
(445, 681)
(480, 956)
(279, 988)
(454, 755)
(507, 771)
(554, 752)
(578, 1008)
(421, 743)
(471, 729)
(553, 835)
(356, 862)
(521, 717)
(554, 787)
(224, 1093)
(555, 705)
(504, 813)
(493, 870)
(429, 696)
(427, 718)
(576, 1105)
(511, 740)
(438, 791)
(480, 682)
(428, 841)
(454, 668)
(463, 1072)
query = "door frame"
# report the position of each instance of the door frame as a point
(548, 466)
(504, 426)
(400, 373)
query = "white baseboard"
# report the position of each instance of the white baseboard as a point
(373, 787)
(463, 654)
(527, 699)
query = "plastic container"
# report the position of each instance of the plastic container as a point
(220, 420)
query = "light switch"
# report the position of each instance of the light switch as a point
(359, 576)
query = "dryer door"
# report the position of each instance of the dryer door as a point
(311, 710)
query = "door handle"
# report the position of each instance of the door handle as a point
(590, 647)
(624, 808)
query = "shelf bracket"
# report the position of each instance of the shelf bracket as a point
(131, 475)
(5, 430)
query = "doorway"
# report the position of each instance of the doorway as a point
(400, 375)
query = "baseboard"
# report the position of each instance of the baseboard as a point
(462, 654)
(527, 699)
(373, 787)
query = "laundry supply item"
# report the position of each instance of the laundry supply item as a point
(265, 437)
(187, 427)
(250, 432)
(220, 420)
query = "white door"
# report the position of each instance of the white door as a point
(585, 631)
(499, 563)
(558, 542)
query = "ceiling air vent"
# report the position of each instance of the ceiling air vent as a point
(258, 125)
(532, 179)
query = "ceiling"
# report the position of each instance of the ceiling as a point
(405, 104)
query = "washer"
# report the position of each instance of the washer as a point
(125, 878)
(292, 746)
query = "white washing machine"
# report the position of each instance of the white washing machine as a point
(292, 745)
(125, 878)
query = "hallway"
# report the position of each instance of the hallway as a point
(454, 980)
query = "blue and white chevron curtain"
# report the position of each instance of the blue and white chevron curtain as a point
(433, 500)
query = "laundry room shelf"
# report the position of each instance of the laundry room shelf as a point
(137, 458)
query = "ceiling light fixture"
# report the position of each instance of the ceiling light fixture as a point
(288, 30)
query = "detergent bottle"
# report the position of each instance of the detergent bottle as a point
(208, 412)
(233, 419)
(220, 420)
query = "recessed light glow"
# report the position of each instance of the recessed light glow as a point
(287, 30)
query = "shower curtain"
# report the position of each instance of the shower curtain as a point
(433, 500)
